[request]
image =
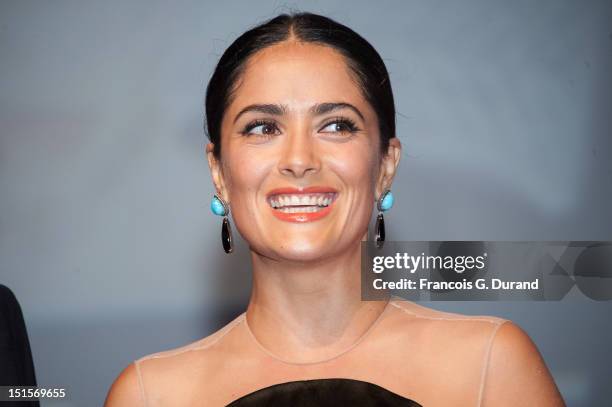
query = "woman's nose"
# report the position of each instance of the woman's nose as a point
(299, 157)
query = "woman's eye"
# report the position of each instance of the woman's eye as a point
(340, 126)
(264, 129)
(259, 128)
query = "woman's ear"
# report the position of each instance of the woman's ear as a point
(388, 166)
(216, 172)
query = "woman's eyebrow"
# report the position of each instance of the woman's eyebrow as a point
(317, 109)
(322, 108)
(276, 110)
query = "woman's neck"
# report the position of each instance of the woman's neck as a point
(306, 312)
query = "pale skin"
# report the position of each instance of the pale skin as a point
(306, 303)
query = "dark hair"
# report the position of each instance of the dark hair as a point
(365, 63)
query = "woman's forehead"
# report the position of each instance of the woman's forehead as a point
(296, 74)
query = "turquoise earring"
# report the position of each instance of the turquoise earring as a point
(220, 208)
(384, 203)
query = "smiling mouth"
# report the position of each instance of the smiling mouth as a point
(301, 203)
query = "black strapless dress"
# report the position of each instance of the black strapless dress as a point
(324, 393)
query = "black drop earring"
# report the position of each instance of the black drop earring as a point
(219, 207)
(226, 236)
(384, 203)
(380, 230)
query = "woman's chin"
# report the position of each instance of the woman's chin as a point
(302, 250)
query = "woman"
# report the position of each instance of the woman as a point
(301, 119)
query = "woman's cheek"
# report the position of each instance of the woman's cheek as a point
(247, 170)
(354, 165)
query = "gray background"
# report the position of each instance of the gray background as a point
(106, 236)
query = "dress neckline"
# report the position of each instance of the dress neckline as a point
(337, 355)
(324, 392)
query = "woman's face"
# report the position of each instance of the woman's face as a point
(300, 163)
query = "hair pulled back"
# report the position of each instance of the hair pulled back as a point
(363, 60)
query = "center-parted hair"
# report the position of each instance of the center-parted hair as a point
(366, 65)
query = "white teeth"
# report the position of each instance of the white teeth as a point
(300, 209)
(293, 203)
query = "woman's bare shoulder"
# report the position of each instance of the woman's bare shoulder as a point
(516, 366)
(203, 344)
(125, 390)
(411, 311)
(167, 369)
(453, 336)
(503, 355)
